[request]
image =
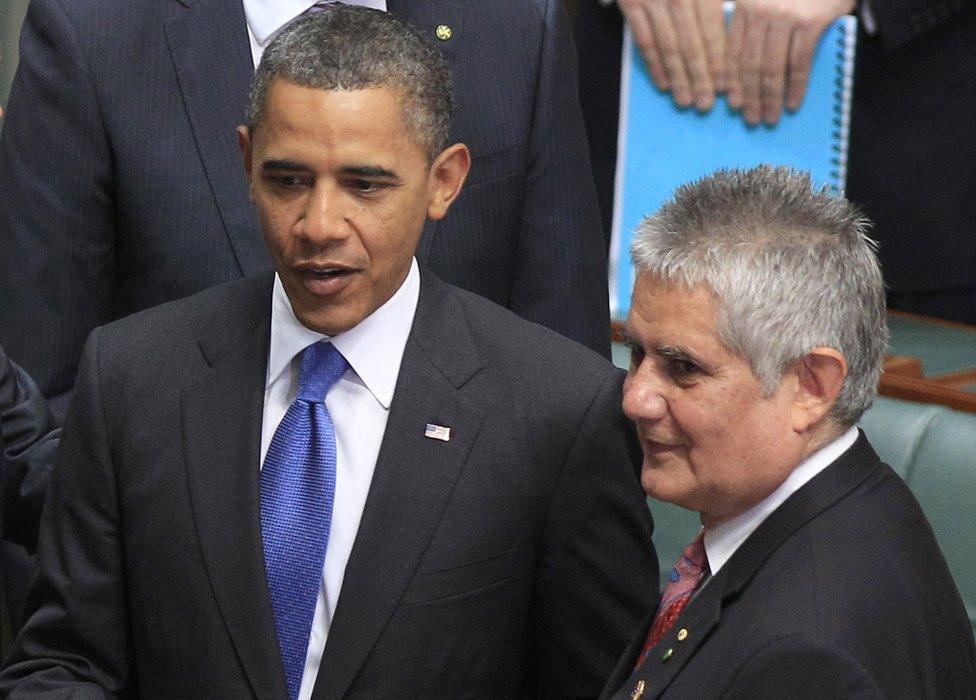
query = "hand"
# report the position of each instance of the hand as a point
(683, 43)
(770, 49)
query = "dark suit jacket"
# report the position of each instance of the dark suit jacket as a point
(123, 187)
(842, 592)
(912, 159)
(514, 558)
(28, 440)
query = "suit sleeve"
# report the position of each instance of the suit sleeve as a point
(598, 575)
(56, 222)
(561, 275)
(802, 668)
(898, 22)
(29, 440)
(74, 641)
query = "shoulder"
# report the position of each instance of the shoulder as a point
(227, 309)
(523, 348)
(103, 31)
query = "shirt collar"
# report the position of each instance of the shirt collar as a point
(373, 348)
(722, 540)
(266, 17)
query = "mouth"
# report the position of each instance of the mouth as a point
(653, 448)
(325, 279)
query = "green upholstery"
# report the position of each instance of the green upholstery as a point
(941, 348)
(934, 449)
(896, 428)
(943, 478)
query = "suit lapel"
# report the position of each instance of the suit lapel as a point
(672, 653)
(221, 421)
(209, 45)
(412, 484)
(703, 614)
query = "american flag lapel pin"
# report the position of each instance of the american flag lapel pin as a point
(438, 432)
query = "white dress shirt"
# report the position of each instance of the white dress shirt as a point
(359, 404)
(722, 540)
(266, 17)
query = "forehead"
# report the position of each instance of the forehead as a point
(669, 308)
(302, 116)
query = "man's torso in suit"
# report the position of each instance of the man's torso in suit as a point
(841, 592)
(513, 558)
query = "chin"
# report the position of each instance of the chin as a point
(667, 487)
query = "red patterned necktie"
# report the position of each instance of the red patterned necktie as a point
(685, 576)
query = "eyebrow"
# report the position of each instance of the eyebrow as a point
(284, 165)
(369, 171)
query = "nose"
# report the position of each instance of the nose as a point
(643, 394)
(325, 215)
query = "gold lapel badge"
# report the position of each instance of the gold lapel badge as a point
(638, 691)
(443, 32)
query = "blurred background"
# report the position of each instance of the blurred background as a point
(11, 17)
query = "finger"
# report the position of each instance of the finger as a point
(773, 71)
(802, 46)
(733, 58)
(711, 20)
(640, 27)
(666, 40)
(691, 45)
(750, 64)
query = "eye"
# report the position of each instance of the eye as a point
(636, 353)
(287, 181)
(682, 369)
(361, 187)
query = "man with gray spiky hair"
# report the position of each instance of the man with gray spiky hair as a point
(757, 332)
(347, 478)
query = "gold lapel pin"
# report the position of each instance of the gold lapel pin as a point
(638, 691)
(443, 32)
(682, 634)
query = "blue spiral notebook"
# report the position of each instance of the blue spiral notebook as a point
(661, 146)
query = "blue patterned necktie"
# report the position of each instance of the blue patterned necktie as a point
(297, 492)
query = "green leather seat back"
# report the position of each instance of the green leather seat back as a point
(896, 428)
(944, 481)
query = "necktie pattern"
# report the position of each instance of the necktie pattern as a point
(685, 576)
(297, 493)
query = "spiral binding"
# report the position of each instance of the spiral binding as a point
(844, 83)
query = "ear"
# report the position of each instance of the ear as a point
(244, 142)
(445, 178)
(820, 376)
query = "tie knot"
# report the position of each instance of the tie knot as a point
(322, 365)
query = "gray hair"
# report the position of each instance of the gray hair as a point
(343, 47)
(792, 268)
